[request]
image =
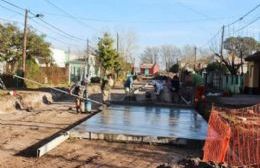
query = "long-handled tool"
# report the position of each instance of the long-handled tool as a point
(58, 90)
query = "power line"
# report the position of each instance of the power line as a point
(11, 4)
(141, 21)
(58, 29)
(69, 15)
(52, 37)
(193, 10)
(37, 30)
(9, 9)
(54, 31)
(240, 19)
(250, 23)
(212, 37)
(50, 25)
(245, 15)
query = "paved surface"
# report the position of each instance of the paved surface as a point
(240, 100)
(147, 121)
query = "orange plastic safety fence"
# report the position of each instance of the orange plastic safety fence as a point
(217, 141)
(234, 136)
(244, 146)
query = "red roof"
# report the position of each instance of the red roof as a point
(144, 66)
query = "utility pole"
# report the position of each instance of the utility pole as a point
(87, 57)
(222, 41)
(117, 42)
(195, 57)
(25, 40)
(221, 53)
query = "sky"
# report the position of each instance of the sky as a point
(154, 22)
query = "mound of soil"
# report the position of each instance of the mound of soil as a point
(24, 100)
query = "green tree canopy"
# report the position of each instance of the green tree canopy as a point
(10, 43)
(38, 47)
(11, 40)
(121, 66)
(107, 54)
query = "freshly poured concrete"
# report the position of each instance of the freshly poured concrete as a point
(140, 122)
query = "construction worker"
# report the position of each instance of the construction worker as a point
(128, 85)
(106, 85)
(78, 89)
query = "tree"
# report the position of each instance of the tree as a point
(188, 56)
(150, 55)
(11, 39)
(237, 47)
(127, 45)
(38, 48)
(121, 66)
(216, 67)
(11, 44)
(169, 54)
(241, 47)
(107, 54)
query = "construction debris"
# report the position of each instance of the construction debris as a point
(198, 163)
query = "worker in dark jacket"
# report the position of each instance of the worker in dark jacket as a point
(78, 89)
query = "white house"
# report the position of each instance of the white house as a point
(59, 58)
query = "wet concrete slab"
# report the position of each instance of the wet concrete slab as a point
(140, 123)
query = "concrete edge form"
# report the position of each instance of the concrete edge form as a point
(134, 138)
(52, 144)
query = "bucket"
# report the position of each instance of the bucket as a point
(88, 106)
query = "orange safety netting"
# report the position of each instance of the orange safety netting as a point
(234, 136)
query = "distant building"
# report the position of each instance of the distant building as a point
(149, 69)
(59, 58)
(252, 83)
(79, 68)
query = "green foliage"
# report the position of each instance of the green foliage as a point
(33, 68)
(107, 55)
(34, 73)
(216, 67)
(11, 40)
(121, 67)
(37, 47)
(11, 43)
(174, 68)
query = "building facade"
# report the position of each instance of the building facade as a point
(252, 83)
(149, 69)
(79, 68)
